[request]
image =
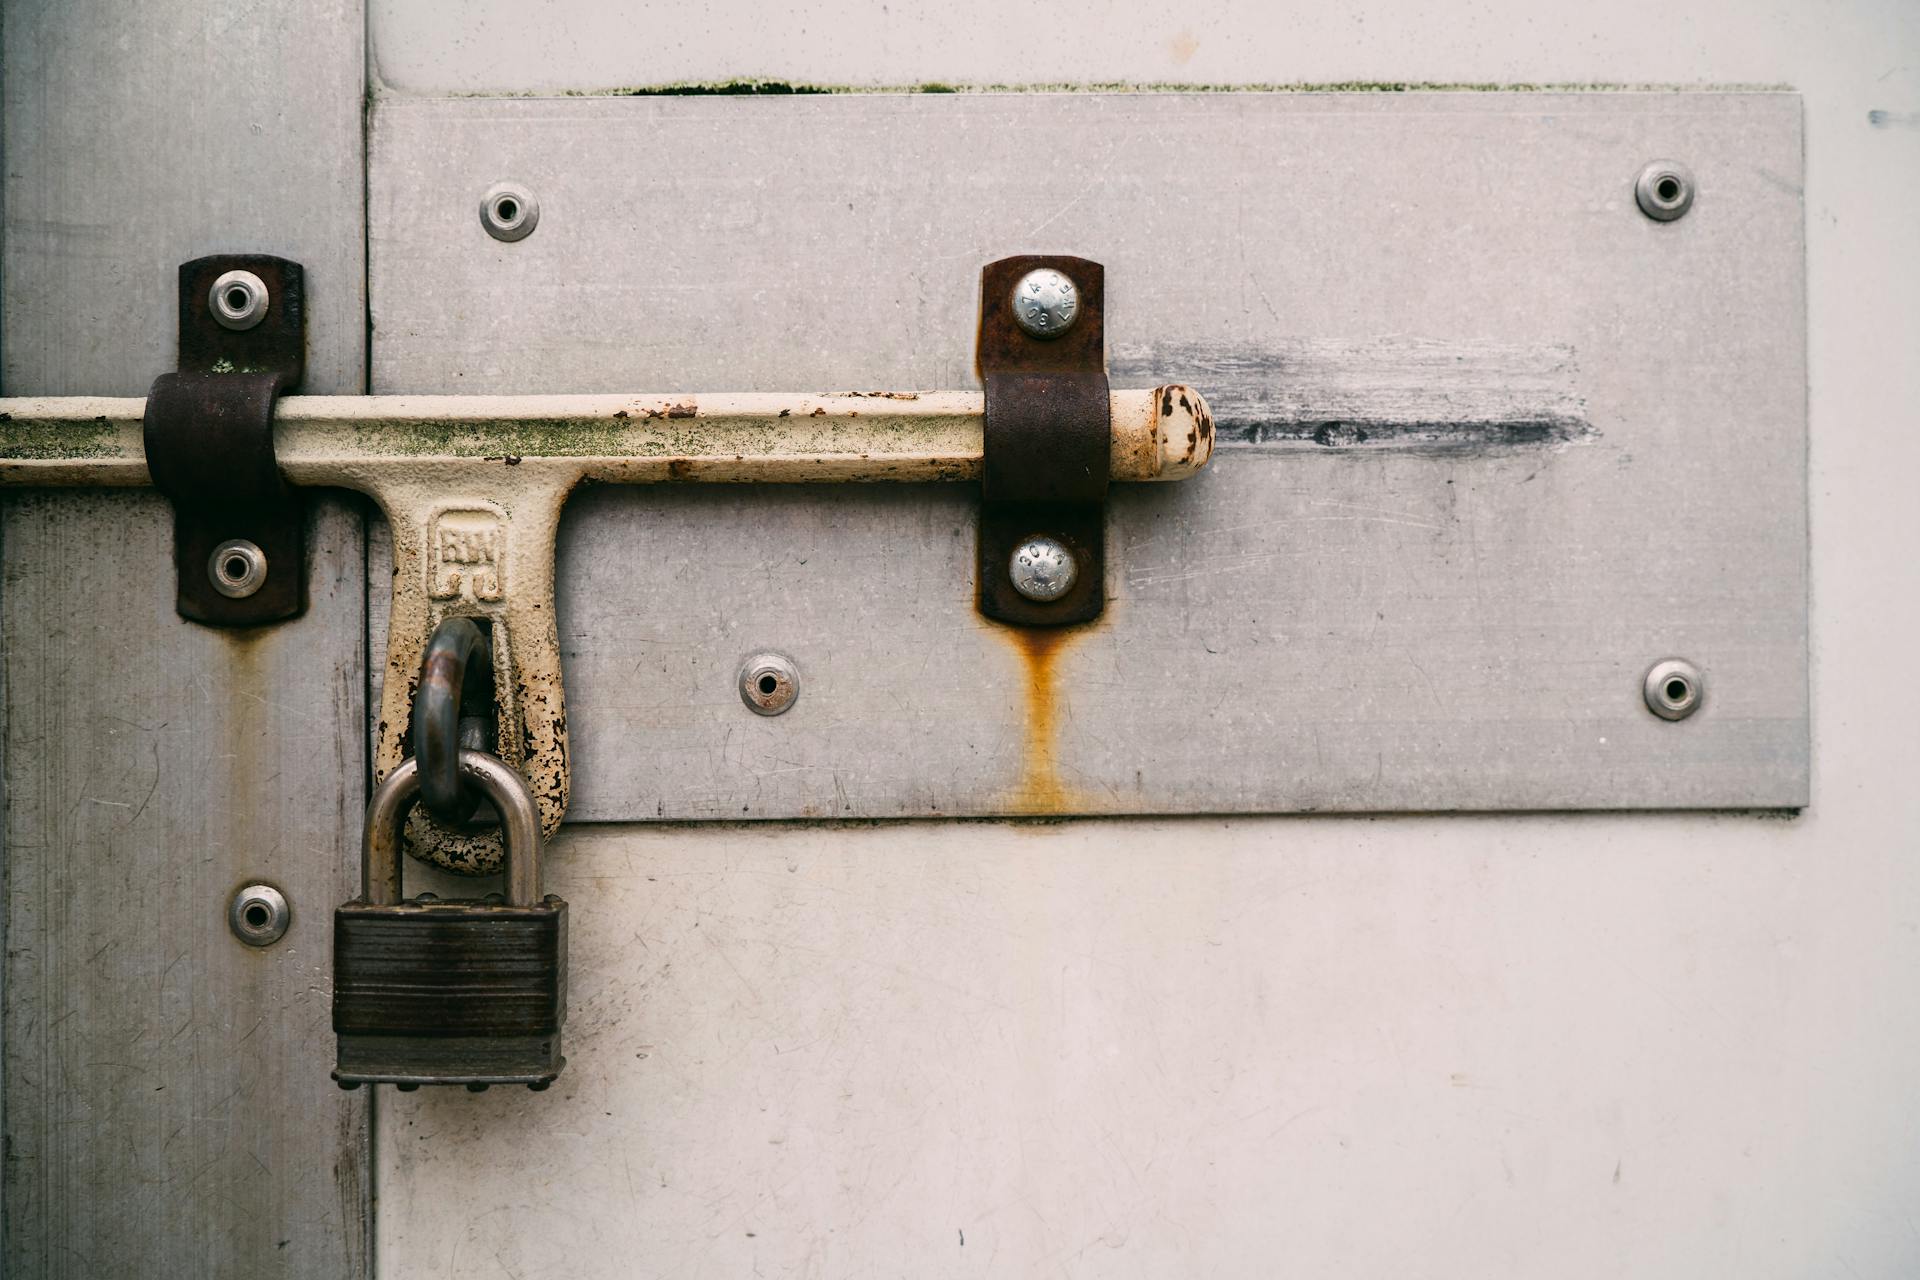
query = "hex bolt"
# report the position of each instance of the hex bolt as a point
(1664, 190)
(1045, 303)
(769, 683)
(237, 568)
(1042, 568)
(1674, 689)
(509, 212)
(259, 915)
(238, 300)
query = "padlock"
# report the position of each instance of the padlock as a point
(458, 991)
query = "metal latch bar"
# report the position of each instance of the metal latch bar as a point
(737, 438)
(473, 486)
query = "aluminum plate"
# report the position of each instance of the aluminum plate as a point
(1494, 442)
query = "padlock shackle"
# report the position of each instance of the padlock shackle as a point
(383, 837)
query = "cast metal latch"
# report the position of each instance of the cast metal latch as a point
(473, 486)
(239, 529)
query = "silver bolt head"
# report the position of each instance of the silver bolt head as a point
(238, 300)
(1664, 190)
(237, 568)
(259, 915)
(509, 212)
(1674, 689)
(1045, 303)
(769, 683)
(1042, 569)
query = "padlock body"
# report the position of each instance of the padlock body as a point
(453, 992)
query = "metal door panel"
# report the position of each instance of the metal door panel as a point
(167, 1109)
(1492, 442)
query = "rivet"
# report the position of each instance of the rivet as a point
(237, 568)
(769, 683)
(1045, 303)
(1674, 689)
(238, 300)
(1042, 568)
(1664, 190)
(509, 212)
(259, 915)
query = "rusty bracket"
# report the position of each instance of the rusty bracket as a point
(239, 529)
(1048, 437)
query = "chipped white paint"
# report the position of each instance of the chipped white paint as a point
(473, 487)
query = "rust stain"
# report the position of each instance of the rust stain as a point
(1040, 790)
(247, 717)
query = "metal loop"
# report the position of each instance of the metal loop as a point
(501, 784)
(458, 661)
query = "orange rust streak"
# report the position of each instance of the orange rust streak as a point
(1040, 790)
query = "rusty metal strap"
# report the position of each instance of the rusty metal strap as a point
(239, 528)
(1048, 440)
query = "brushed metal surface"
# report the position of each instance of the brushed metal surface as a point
(167, 1106)
(168, 1109)
(1483, 460)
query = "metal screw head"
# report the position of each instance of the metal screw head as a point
(1042, 568)
(1045, 303)
(769, 683)
(509, 212)
(259, 915)
(1664, 190)
(237, 568)
(238, 300)
(1674, 689)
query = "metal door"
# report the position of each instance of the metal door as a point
(834, 1012)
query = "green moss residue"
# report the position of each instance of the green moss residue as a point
(38, 439)
(665, 436)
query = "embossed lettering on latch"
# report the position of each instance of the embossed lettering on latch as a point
(466, 554)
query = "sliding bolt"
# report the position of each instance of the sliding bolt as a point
(1042, 568)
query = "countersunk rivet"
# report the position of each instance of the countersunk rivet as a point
(1042, 568)
(238, 300)
(769, 683)
(237, 568)
(259, 915)
(1045, 303)
(509, 212)
(1664, 190)
(1674, 689)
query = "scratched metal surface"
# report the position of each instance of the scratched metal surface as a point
(167, 1106)
(1495, 442)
